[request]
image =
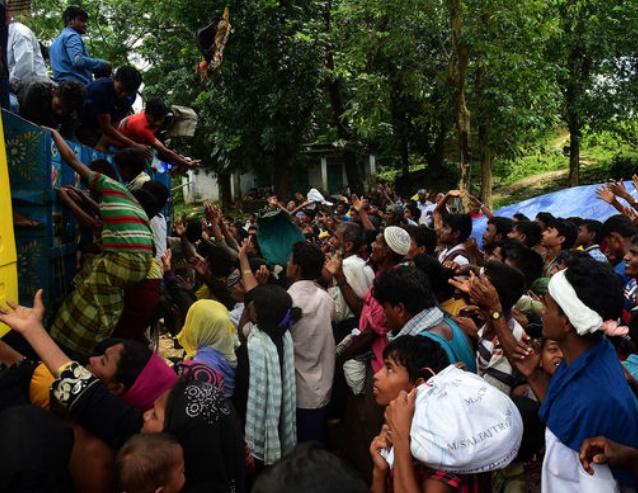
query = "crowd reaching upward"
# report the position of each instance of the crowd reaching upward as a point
(338, 343)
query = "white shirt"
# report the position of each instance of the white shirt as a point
(563, 473)
(158, 225)
(314, 344)
(458, 259)
(24, 58)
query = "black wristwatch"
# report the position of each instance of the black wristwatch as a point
(496, 315)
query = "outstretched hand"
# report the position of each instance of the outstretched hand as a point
(618, 188)
(606, 195)
(357, 203)
(23, 319)
(243, 248)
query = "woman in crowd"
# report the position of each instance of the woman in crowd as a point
(271, 429)
(196, 413)
(208, 337)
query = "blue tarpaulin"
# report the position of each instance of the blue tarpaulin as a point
(576, 201)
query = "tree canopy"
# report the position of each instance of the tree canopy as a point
(417, 81)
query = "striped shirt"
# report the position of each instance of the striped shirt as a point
(125, 225)
(493, 365)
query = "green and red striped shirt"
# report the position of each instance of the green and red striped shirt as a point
(125, 225)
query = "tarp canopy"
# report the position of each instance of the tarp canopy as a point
(575, 201)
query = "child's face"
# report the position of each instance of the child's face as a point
(105, 366)
(551, 356)
(176, 479)
(390, 380)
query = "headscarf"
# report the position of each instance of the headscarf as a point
(155, 379)
(208, 324)
(203, 422)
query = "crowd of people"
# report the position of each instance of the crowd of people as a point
(313, 332)
(329, 346)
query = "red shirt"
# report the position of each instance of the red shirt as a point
(136, 128)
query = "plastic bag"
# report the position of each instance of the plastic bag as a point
(464, 425)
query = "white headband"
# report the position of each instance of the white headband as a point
(583, 319)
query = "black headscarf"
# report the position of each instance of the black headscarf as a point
(203, 421)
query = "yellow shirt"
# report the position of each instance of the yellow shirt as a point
(453, 305)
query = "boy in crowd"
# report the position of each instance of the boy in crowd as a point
(141, 128)
(617, 232)
(48, 104)
(589, 238)
(497, 229)
(453, 230)
(313, 340)
(90, 312)
(529, 233)
(151, 463)
(559, 234)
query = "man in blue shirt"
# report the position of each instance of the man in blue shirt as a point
(69, 58)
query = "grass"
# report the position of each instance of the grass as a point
(602, 156)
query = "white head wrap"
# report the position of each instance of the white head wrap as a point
(583, 319)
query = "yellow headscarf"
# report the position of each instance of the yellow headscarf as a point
(208, 324)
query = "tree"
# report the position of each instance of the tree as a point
(594, 40)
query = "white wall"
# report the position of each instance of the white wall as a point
(204, 186)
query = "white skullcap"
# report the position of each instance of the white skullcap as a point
(397, 239)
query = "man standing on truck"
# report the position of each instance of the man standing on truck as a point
(90, 312)
(69, 57)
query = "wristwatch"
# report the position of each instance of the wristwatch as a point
(496, 315)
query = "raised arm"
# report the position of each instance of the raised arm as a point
(250, 281)
(606, 195)
(437, 213)
(68, 155)
(357, 205)
(28, 322)
(482, 207)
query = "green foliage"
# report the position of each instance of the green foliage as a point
(531, 62)
(623, 166)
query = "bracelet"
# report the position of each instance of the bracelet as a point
(246, 272)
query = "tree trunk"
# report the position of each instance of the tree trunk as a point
(223, 181)
(337, 104)
(487, 166)
(575, 134)
(463, 126)
(353, 174)
(435, 154)
(283, 172)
